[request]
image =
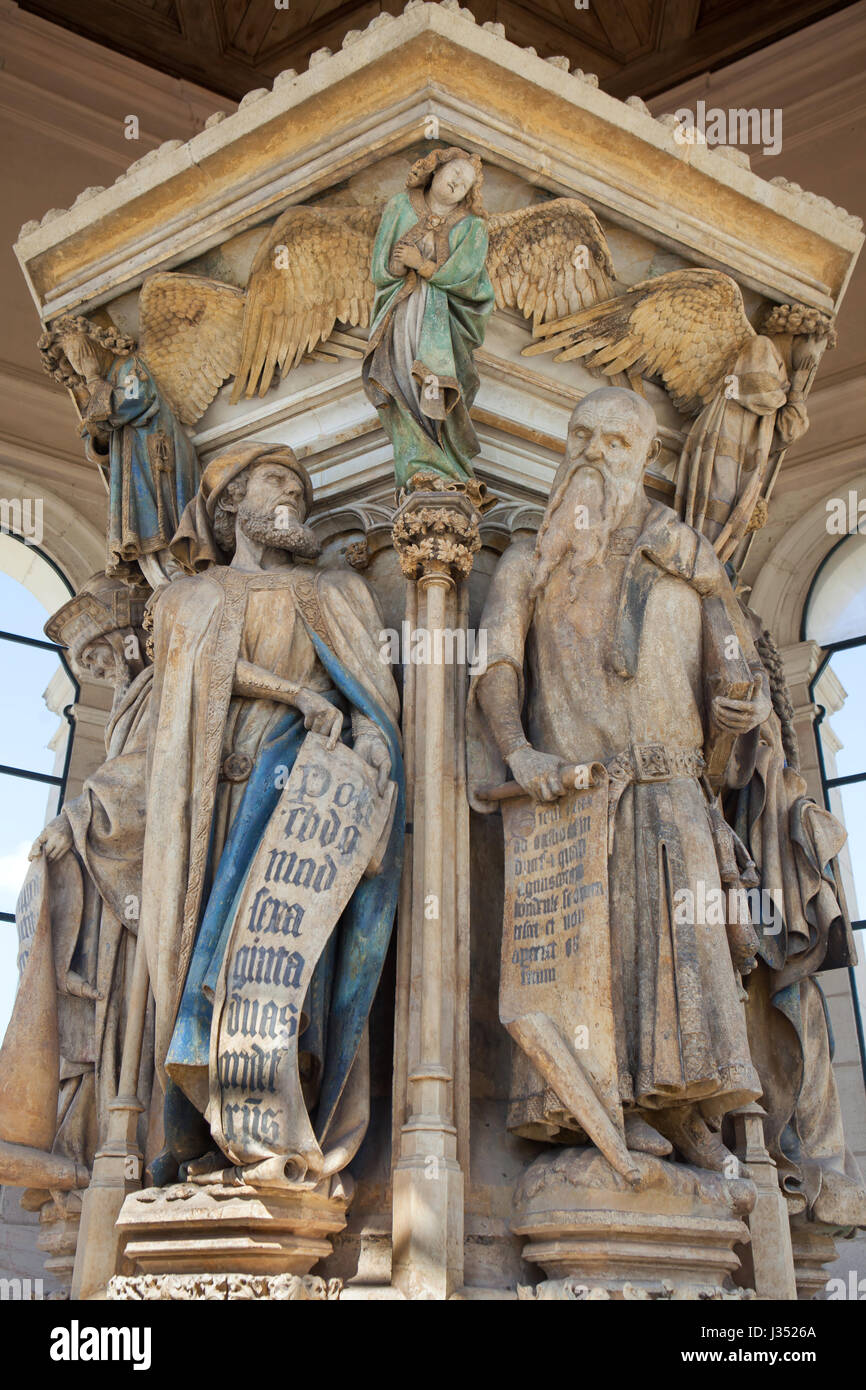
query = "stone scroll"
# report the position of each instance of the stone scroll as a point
(556, 939)
(321, 838)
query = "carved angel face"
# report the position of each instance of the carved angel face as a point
(452, 181)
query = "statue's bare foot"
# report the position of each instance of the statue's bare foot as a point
(641, 1138)
(693, 1139)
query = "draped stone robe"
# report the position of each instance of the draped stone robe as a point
(320, 630)
(154, 470)
(607, 671)
(93, 893)
(419, 370)
(794, 843)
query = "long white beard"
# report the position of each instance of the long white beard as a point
(295, 537)
(590, 509)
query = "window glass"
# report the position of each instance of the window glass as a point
(837, 603)
(30, 590)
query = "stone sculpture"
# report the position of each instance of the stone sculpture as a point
(60, 1058)
(129, 423)
(608, 629)
(805, 930)
(264, 942)
(745, 391)
(323, 265)
(433, 300)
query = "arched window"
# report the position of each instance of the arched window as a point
(37, 690)
(835, 618)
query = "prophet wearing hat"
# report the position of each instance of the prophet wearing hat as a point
(204, 538)
(252, 649)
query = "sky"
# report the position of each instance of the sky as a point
(26, 728)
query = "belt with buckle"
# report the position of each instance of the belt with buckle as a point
(653, 762)
(646, 762)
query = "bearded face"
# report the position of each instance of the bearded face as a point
(609, 444)
(279, 526)
(266, 502)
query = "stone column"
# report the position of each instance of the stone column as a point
(767, 1262)
(436, 536)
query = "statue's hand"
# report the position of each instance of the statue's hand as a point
(320, 716)
(374, 750)
(539, 774)
(54, 841)
(740, 715)
(409, 255)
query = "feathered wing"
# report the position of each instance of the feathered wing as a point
(686, 327)
(190, 338)
(549, 260)
(312, 269)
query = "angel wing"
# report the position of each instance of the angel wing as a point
(312, 269)
(190, 337)
(549, 260)
(686, 326)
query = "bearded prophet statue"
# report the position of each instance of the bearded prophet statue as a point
(597, 639)
(274, 752)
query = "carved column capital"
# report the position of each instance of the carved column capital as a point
(436, 533)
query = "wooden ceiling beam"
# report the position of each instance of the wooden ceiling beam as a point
(155, 43)
(714, 45)
(226, 48)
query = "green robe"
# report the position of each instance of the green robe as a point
(419, 371)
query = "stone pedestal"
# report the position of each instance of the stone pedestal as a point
(594, 1235)
(226, 1230)
(59, 1225)
(814, 1248)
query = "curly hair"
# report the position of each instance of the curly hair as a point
(223, 520)
(54, 360)
(421, 174)
(781, 696)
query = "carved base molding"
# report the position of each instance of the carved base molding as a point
(182, 1287)
(227, 1231)
(814, 1248)
(595, 1236)
(573, 1291)
(59, 1226)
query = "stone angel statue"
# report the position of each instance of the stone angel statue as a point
(423, 274)
(132, 423)
(745, 390)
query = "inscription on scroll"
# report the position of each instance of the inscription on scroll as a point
(556, 940)
(318, 844)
